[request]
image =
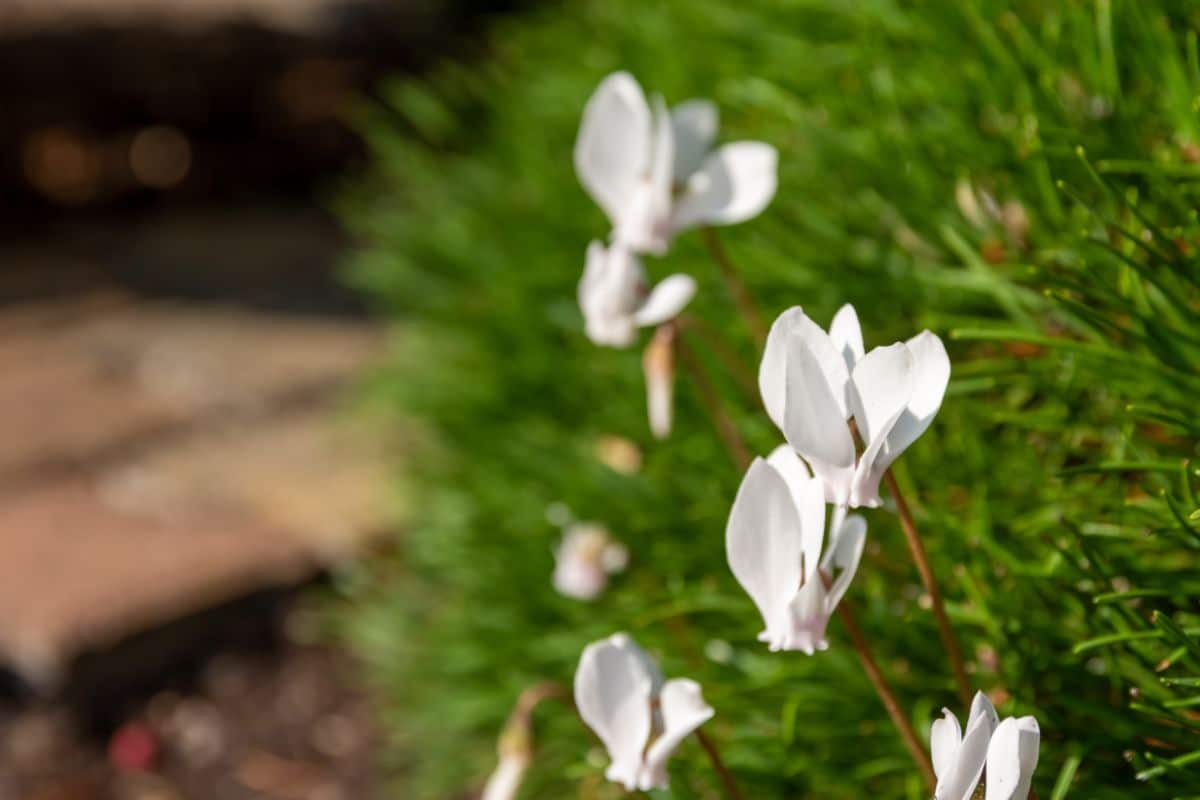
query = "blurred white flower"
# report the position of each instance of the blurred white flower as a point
(774, 540)
(658, 365)
(585, 559)
(1009, 749)
(656, 173)
(641, 719)
(813, 383)
(616, 300)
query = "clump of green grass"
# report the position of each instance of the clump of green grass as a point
(1020, 178)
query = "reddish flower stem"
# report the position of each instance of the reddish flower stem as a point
(730, 437)
(714, 756)
(921, 558)
(741, 295)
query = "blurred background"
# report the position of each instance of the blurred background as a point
(177, 464)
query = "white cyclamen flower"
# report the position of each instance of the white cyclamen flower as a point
(640, 718)
(656, 173)
(774, 540)
(616, 299)
(1009, 749)
(813, 383)
(957, 759)
(585, 559)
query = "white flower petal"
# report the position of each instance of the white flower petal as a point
(808, 493)
(882, 387)
(683, 710)
(666, 300)
(845, 553)
(982, 709)
(814, 424)
(663, 164)
(658, 365)
(609, 292)
(613, 149)
(833, 366)
(960, 781)
(809, 618)
(735, 183)
(613, 691)
(695, 123)
(772, 372)
(763, 546)
(931, 374)
(643, 222)
(846, 334)
(1012, 759)
(945, 736)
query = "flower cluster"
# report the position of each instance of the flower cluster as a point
(655, 173)
(846, 415)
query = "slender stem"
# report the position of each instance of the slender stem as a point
(921, 558)
(741, 295)
(732, 439)
(714, 756)
(884, 690)
(745, 379)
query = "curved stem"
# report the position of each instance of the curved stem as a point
(746, 380)
(730, 437)
(884, 690)
(741, 295)
(714, 756)
(917, 548)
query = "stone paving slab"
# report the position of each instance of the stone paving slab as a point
(156, 460)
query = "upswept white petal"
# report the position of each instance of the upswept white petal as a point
(846, 334)
(772, 371)
(662, 167)
(613, 148)
(1012, 758)
(833, 365)
(882, 382)
(682, 709)
(842, 559)
(695, 125)
(609, 292)
(930, 376)
(982, 709)
(958, 780)
(808, 494)
(882, 387)
(814, 425)
(658, 366)
(945, 737)
(666, 300)
(613, 690)
(763, 546)
(734, 183)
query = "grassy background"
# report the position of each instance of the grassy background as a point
(1053, 490)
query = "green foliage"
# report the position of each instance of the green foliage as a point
(1020, 178)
